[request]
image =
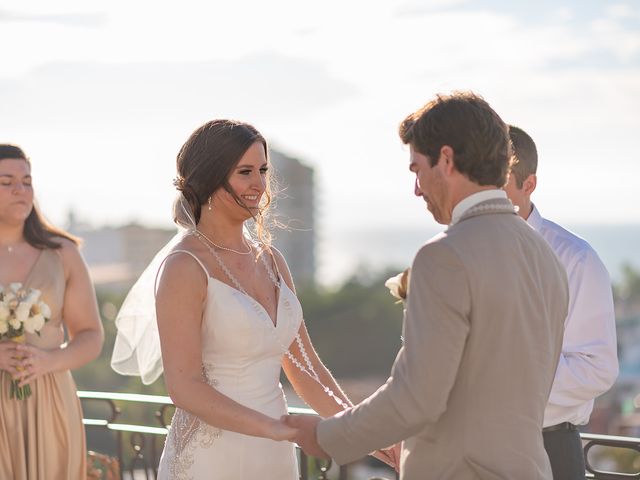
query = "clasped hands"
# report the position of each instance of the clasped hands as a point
(23, 362)
(301, 429)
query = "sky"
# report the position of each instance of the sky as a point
(102, 95)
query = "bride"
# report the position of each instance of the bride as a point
(228, 319)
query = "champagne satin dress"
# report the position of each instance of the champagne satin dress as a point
(42, 437)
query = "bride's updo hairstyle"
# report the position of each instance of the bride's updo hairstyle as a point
(205, 163)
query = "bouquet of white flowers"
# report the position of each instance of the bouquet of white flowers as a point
(21, 312)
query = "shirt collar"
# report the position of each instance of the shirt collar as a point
(473, 200)
(535, 219)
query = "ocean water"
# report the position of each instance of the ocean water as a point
(347, 251)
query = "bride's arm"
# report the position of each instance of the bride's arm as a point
(306, 387)
(309, 389)
(182, 290)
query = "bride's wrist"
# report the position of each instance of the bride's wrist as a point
(269, 428)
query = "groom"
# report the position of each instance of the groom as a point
(483, 326)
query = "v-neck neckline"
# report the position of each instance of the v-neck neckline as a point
(274, 323)
(238, 286)
(29, 274)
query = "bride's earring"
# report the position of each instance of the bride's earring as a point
(209, 202)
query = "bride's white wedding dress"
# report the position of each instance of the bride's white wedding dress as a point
(242, 352)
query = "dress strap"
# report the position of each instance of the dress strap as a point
(191, 254)
(272, 270)
(308, 367)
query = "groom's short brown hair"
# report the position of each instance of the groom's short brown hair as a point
(465, 122)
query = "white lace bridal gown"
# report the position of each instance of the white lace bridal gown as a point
(242, 352)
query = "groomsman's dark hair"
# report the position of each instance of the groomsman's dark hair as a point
(465, 122)
(525, 155)
(38, 232)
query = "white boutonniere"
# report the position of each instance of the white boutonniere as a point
(399, 285)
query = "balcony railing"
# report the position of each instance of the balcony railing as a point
(137, 447)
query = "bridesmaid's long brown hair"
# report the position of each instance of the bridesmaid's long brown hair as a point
(37, 231)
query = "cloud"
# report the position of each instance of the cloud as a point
(538, 12)
(91, 20)
(266, 85)
(418, 8)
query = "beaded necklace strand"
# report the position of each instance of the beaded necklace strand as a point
(308, 367)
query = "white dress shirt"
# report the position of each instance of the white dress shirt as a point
(473, 200)
(588, 364)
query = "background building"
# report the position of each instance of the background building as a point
(294, 209)
(117, 255)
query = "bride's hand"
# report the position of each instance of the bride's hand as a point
(279, 430)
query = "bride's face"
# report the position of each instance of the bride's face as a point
(16, 192)
(248, 180)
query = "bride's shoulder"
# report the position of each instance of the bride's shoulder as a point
(276, 254)
(189, 243)
(185, 258)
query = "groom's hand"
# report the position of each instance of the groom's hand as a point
(390, 456)
(306, 437)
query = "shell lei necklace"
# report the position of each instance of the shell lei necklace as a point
(308, 367)
(202, 235)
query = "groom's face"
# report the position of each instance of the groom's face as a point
(430, 184)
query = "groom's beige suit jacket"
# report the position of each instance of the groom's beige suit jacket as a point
(483, 331)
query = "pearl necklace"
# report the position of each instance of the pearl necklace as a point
(10, 248)
(202, 235)
(307, 368)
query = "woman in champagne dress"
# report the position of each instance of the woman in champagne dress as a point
(228, 320)
(42, 436)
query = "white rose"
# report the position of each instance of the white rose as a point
(34, 324)
(398, 285)
(40, 321)
(15, 323)
(4, 326)
(33, 296)
(4, 312)
(44, 310)
(15, 286)
(393, 284)
(22, 312)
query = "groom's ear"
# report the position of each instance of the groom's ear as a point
(446, 157)
(529, 185)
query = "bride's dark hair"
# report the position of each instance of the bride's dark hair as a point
(37, 231)
(204, 165)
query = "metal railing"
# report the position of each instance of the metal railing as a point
(592, 441)
(138, 447)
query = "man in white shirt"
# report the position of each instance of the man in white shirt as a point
(588, 364)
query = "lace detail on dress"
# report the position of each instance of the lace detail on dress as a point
(207, 370)
(187, 432)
